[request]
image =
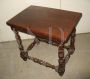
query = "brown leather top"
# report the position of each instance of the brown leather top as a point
(45, 22)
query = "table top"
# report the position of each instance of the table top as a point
(46, 22)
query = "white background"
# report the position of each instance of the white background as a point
(9, 8)
(80, 6)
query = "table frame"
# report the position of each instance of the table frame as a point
(63, 59)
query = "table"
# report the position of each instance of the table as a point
(49, 25)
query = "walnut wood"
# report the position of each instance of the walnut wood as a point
(18, 39)
(61, 61)
(31, 46)
(70, 48)
(41, 62)
(46, 41)
(72, 42)
(23, 54)
(38, 21)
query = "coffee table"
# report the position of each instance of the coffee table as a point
(49, 25)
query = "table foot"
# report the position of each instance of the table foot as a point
(61, 61)
(24, 55)
(61, 71)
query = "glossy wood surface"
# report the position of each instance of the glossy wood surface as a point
(42, 20)
(47, 24)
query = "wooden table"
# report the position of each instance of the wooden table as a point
(49, 25)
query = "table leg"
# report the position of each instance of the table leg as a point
(72, 42)
(71, 47)
(61, 61)
(23, 54)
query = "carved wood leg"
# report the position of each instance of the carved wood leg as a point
(71, 47)
(61, 61)
(23, 54)
(72, 42)
(32, 44)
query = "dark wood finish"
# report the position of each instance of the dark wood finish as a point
(72, 42)
(32, 44)
(38, 21)
(61, 61)
(23, 53)
(70, 48)
(41, 62)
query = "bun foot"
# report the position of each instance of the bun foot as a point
(24, 55)
(61, 71)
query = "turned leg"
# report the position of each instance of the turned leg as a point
(36, 41)
(61, 61)
(72, 42)
(23, 54)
